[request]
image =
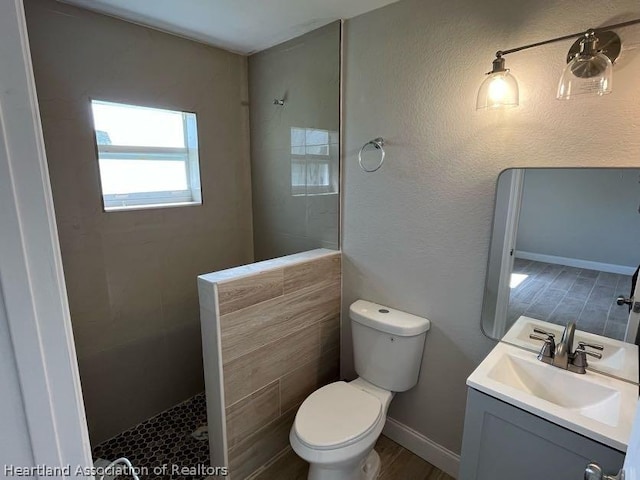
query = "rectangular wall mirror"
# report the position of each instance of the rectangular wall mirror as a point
(564, 247)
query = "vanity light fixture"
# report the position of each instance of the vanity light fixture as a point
(499, 89)
(589, 69)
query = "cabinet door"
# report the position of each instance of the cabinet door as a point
(502, 442)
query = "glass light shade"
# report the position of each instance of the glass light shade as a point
(499, 90)
(586, 74)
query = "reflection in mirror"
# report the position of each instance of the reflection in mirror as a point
(295, 118)
(314, 169)
(564, 248)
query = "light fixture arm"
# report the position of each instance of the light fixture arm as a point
(501, 53)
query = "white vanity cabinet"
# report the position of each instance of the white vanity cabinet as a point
(503, 442)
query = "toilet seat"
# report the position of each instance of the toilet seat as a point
(335, 416)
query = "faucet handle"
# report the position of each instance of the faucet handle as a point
(543, 332)
(581, 349)
(579, 359)
(579, 362)
(595, 346)
(548, 339)
(549, 347)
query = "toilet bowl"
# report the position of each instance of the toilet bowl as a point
(337, 426)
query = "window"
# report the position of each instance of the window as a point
(314, 169)
(148, 157)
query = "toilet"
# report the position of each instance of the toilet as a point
(337, 426)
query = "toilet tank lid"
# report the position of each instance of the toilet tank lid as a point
(387, 319)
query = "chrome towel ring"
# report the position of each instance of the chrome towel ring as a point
(378, 144)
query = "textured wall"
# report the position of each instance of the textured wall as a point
(306, 72)
(584, 214)
(131, 275)
(416, 234)
(278, 324)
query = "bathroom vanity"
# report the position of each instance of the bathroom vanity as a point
(504, 442)
(529, 420)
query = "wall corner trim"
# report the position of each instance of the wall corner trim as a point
(32, 286)
(425, 448)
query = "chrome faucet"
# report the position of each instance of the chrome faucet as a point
(564, 349)
(562, 355)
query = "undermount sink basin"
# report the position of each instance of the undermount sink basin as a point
(594, 405)
(619, 359)
(564, 389)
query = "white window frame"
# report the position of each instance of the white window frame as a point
(307, 189)
(306, 159)
(162, 198)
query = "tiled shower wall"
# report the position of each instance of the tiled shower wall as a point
(130, 274)
(278, 325)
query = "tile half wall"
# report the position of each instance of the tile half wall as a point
(271, 336)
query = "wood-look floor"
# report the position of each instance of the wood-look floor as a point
(398, 463)
(559, 294)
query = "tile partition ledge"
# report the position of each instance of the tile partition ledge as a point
(270, 336)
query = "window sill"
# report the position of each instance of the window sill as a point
(313, 194)
(151, 206)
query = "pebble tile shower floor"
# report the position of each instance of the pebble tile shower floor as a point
(165, 439)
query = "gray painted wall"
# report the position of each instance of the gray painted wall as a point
(131, 276)
(306, 72)
(416, 233)
(584, 214)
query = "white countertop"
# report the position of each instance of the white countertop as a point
(597, 406)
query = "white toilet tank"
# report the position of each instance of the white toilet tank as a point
(387, 345)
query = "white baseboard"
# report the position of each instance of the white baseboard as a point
(576, 262)
(427, 449)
